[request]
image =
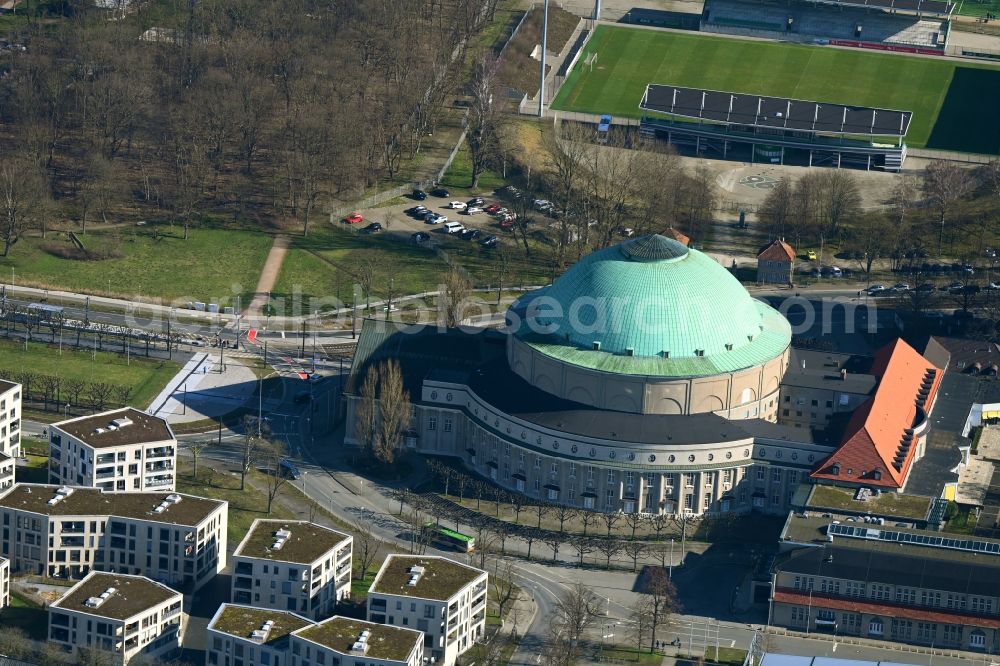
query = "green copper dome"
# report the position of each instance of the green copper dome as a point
(652, 306)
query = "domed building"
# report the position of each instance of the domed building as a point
(644, 379)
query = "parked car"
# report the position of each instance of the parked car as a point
(472, 210)
(457, 205)
(372, 228)
(435, 218)
(453, 227)
(441, 192)
(476, 201)
(419, 195)
(489, 241)
(925, 288)
(354, 218)
(811, 255)
(493, 208)
(507, 223)
(416, 210)
(471, 234)
(993, 286)
(542, 204)
(899, 286)
(875, 289)
(420, 237)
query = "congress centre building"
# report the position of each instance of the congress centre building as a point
(645, 378)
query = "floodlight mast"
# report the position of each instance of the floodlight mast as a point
(545, 39)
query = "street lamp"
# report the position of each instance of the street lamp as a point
(66, 411)
(670, 566)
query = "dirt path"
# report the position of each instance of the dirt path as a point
(269, 274)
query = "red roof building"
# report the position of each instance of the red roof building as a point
(677, 235)
(774, 263)
(885, 434)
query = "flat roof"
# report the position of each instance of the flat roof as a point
(809, 368)
(384, 642)
(308, 541)
(773, 112)
(144, 428)
(6, 386)
(887, 504)
(242, 621)
(34, 497)
(936, 7)
(133, 595)
(441, 580)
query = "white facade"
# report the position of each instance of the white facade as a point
(4, 582)
(251, 636)
(292, 566)
(10, 431)
(66, 532)
(123, 450)
(439, 597)
(118, 616)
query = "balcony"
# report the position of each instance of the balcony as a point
(105, 459)
(160, 452)
(242, 584)
(105, 473)
(160, 481)
(244, 569)
(159, 467)
(55, 454)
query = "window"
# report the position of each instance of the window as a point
(852, 622)
(554, 468)
(611, 476)
(977, 639)
(629, 478)
(590, 474)
(689, 480)
(953, 634)
(855, 589)
(875, 627)
(670, 480)
(689, 502)
(588, 502)
(761, 474)
(572, 470)
(926, 632)
(538, 463)
(447, 425)
(708, 501)
(901, 629)
(776, 475)
(432, 423)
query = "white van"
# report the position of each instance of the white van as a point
(453, 227)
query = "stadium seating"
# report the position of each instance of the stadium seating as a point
(811, 22)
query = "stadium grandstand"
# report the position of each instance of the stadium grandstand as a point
(913, 26)
(774, 130)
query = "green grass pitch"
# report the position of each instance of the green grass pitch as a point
(954, 104)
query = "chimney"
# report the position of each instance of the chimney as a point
(843, 373)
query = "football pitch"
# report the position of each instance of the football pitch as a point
(954, 104)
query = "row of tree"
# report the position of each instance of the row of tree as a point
(53, 391)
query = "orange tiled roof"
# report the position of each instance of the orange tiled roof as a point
(677, 235)
(887, 609)
(777, 250)
(879, 445)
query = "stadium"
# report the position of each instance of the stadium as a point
(949, 104)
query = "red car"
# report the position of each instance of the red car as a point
(354, 218)
(507, 223)
(492, 208)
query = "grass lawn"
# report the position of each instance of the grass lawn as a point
(726, 655)
(631, 655)
(459, 174)
(977, 7)
(36, 471)
(953, 103)
(245, 506)
(26, 615)
(323, 266)
(211, 266)
(887, 504)
(146, 377)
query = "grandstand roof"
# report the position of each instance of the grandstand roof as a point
(758, 111)
(936, 7)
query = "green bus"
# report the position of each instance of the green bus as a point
(449, 538)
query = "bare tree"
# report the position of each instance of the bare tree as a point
(661, 594)
(842, 199)
(583, 546)
(554, 541)
(635, 550)
(502, 586)
(98, 393)
(455, 294)
(541, 509)
(611, 520)
(659, 522)
(609, 548)
(564, 513)
(254, 449)
(395, 411)
(588, 518)
(275, 475)
(641, 616)
(23, 200)
(366, 411)
(196, 448)
(369, 264)
(633, 521)
(575, 611)
(122, 394)
(944, 185)
(366, 551)
(485, 114)
(778, 208)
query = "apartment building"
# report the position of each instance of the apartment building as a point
(66, 532)
(440, 597)
(342, 641)
(10, 430)
(246, 636)
(4, 582)
(893, 583)
(119, 617)
(123, 450)
(292, 565)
